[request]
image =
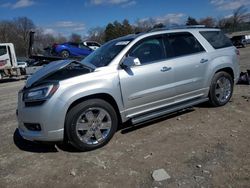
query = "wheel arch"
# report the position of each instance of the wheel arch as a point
(104, 96)
(228, 70)
(64, 49)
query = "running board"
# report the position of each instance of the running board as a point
(167, 110)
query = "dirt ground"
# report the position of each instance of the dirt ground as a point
(200, 147)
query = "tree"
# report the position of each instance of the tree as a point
(208, 22)
(97, 34)
(23, 26)
(224, 23)
(117, 29)
(75, 38)
(5, 31)
(239, 15)
(159, 25)
(191, 21)
(110, 32)
(144, 25)
(126, 27)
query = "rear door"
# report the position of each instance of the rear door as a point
(148, 85)
(5, 60)
(190, 62)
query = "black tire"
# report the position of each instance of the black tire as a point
(65, 54)
(214, 97)
(72, 133)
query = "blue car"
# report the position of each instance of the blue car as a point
(71, 49)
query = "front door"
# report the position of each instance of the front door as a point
(149, 84)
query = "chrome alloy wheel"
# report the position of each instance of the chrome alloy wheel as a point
(223, 89)
(93, 125)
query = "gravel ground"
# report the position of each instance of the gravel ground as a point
(199, 147)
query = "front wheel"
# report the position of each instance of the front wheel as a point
(91, 124)
(65, 54)
(221, 89)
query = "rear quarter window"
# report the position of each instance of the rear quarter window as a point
(217, 39)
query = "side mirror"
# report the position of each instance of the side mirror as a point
(129, 62)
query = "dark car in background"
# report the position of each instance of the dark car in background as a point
(240, 41)
(71, 49)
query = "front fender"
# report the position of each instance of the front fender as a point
(107, 84)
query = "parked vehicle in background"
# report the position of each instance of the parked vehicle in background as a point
(22, 65)
(36, 61)
(8, 62)
(133, 78)
(91, 44)
(241, 40)
(71, 49)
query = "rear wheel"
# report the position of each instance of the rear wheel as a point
(91, 124)
(65, 54)
(221, 89)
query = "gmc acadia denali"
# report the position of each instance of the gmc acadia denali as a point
(133, 78)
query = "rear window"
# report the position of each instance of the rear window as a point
(217, 39)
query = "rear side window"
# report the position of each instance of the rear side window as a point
(217, 39)
(180, 44)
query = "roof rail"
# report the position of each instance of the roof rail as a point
(178, 27)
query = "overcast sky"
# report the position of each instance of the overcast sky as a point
(66, 16)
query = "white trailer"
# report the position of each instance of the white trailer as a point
(8, 61)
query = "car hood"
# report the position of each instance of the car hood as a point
(50, 69)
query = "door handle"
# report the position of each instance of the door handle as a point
(204, 60)
(165, 69)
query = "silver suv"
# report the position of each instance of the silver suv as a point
(134, 78)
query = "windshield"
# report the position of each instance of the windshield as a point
(106, 53)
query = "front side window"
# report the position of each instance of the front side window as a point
(180, 44)
(148, 50)
(3, 50)
(217, 39)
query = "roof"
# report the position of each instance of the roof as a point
(167, 30)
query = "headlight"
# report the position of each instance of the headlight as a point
(40, 93)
